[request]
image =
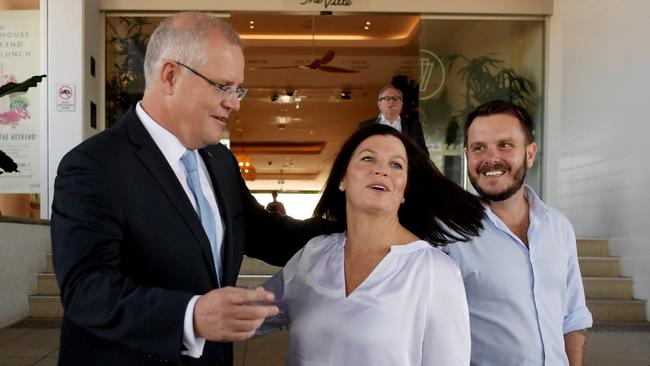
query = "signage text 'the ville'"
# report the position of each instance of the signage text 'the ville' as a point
(328, 3)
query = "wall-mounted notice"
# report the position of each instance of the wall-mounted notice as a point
(66, 98)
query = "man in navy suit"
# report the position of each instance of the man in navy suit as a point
(143, 280)
(390, 102)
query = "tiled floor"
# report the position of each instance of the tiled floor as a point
(29, 346)
(39, 347)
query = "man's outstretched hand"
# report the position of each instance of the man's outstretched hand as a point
(232, 314)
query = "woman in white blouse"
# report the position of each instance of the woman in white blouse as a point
(378, 293)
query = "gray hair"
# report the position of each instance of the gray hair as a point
(183, 38)
(389, 86)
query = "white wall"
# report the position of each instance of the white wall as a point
(22, 256)
(604, 172)
(74, 33)
(93, 41)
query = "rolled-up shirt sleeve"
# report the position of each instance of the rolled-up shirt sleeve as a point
(576, 314)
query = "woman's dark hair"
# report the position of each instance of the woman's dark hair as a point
(435, 208)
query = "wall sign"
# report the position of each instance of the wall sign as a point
(66, 98)
(325, 5)
(20, 122)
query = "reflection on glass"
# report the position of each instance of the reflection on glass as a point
(126, 44)
(467, 62)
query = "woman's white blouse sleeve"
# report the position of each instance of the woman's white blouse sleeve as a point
(447, 337)
(276, 285)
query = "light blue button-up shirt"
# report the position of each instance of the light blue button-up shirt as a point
(523, 300)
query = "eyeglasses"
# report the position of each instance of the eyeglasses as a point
(396, 98)
(225, 90)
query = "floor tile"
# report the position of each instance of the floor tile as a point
(18, 361)
(616, 349)
(10, 334)
(47, 361)
(24, 351)
(239, 351)
(270, 350)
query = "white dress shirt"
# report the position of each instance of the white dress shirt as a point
(410, 310)
(172, 149)
(396, 124)
(522, 300)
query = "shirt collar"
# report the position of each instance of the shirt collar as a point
(397, 124)
(383, 119)
(537, 210)
(169, 145)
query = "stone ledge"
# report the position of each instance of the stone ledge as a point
(23, 220)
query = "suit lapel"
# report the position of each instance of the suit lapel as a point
(406, 127)
(154, 161)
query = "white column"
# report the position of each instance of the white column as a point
(553, 111)
(73, 34)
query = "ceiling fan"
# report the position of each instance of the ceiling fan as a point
(317, 64)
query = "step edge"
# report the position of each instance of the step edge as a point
(254, 276)
(608, 301)
(48, 297)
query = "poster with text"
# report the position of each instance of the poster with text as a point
(20, 122)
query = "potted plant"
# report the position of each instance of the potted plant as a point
(483, 79)
(125, 81)
(486, 78)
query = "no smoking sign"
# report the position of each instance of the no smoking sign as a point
(66, 98)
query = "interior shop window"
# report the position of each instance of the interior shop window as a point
(468, 62)
(126, 43)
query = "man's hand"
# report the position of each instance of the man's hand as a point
(232, 314)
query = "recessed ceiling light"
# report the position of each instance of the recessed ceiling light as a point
(252, 27)
(367, 23)
(252, 22)
(366, 27)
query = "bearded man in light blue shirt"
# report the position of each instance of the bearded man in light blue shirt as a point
(524, 288)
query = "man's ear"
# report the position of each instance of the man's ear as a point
(168, 76)
(531, 153)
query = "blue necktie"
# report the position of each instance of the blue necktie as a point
(203, 207)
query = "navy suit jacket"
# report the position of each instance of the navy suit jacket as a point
(129, 250)
(410, 128)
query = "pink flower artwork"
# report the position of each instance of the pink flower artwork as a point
(15, 114)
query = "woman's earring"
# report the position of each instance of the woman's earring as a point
(403, 200)
(341, 188)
